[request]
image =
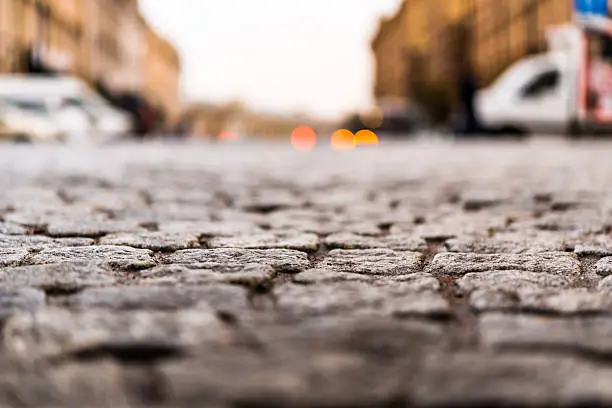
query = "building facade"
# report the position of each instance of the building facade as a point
(439, 36)
(102, 41)
(161, 74)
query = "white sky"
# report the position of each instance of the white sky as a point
(286, 56)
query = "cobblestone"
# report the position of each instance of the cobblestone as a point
(232, 276)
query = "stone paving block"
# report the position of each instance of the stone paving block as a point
(418, 281)
(604, 266)
(600, 245)
(372, 262)
(510, 281)
(359, 297)
(267, 200)
(497, 245)
(561, 302)
(155, 241)
(605, 285)
(457, 264)
(282, 260)
(212, 229)
(582, 220)
(12, 256)
(97, 384)
(225, 298)
(55, 332)
(251, 275)
(455, 225)
(90, 227)
(585, 334)
(9, 228)
(395, 242)
(19, 300)
(298, 242)
(40, 242)
(61, 278)
(509, 379)
(116, 256)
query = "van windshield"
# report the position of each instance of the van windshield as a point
(521, 72)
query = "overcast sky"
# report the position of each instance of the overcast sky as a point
(309, 56)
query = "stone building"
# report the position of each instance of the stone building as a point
(161, 74)
(102, 41)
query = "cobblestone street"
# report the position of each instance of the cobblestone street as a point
(256, 276)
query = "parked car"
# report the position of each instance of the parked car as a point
(77, 109)
(23, 125)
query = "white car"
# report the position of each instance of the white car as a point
(77, 109)
(17, 124)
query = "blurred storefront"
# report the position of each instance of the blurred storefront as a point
(105, 42)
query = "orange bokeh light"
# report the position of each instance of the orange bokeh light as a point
(342, 139)
(303, 138)
(366, 137)
(227, 136)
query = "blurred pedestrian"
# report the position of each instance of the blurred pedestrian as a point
(467, 84)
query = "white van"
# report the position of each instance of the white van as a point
(567, 90)
(77, 109)
(535, 95)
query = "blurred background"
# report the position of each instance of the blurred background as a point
(235, 69)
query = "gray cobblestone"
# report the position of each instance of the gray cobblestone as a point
(372, 262)
(299, 242)
(155, 241)
(282, 260)
(116, 256)
(62, 277)
(557, 263)
(230, 276)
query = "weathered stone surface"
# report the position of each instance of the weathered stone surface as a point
(98, 384)
(40, 242)
(116, 256)
(458, 275)
(591, 334)
(155, 241)
(359, 297)
(510, 281)
(419, 280)
(219, 297)
(212, 229)
(53, 332)
(563, 302)
(586, 221)
(605, 285)
(395, 242)
(372, 262)
(556, 263)
(600, 245)
(299, 242)
(251, 275)
(282, 260)
(507, 245)
(9, 228)
(20, 300)
(604, 266)
(12, 256)
(62, 277)
(509, 379)
(90, 227)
